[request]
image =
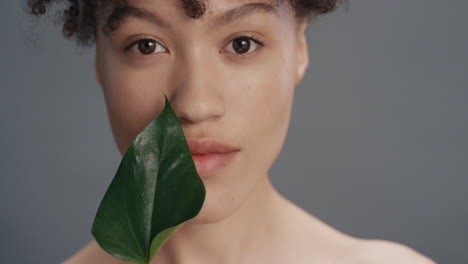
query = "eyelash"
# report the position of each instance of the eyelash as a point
(250, 37)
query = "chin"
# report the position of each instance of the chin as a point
(219, 205)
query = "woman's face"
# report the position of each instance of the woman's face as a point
(233, 90)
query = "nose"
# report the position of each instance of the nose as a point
(198, 93)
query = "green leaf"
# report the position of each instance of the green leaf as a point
(155, 190)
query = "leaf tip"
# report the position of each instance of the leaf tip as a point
(165, 98)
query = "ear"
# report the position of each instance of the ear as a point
(302, 51)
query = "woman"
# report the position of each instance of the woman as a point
(229, 69)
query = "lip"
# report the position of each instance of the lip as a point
(210, 155)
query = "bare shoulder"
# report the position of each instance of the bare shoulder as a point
(383, 252)
(92, 253)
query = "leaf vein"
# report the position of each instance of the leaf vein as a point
(120, 243)
(130, 223)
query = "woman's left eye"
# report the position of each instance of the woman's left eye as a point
(243, 44)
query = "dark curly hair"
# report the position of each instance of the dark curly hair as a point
(78, 18)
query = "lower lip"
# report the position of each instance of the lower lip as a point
(209, 164)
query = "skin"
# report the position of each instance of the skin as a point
(241, 99)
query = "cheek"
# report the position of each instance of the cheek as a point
(268, 109)
(132, 101)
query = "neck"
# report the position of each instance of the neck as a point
(254, 226)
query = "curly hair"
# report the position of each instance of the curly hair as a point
(78, 18)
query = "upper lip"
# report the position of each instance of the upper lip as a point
(206, 146)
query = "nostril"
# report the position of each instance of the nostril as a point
(183, 120)
(194, 107)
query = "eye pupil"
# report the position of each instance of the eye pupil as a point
(241, 45)
(146, 46)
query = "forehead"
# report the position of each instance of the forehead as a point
(211, 6)
(215, 13)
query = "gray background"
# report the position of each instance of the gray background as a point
(377, 145)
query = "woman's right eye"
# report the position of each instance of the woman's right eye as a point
(145, 46)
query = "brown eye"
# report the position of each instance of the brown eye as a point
(243, 44)
(145, 46)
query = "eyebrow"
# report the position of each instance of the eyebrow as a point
(224, 18)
